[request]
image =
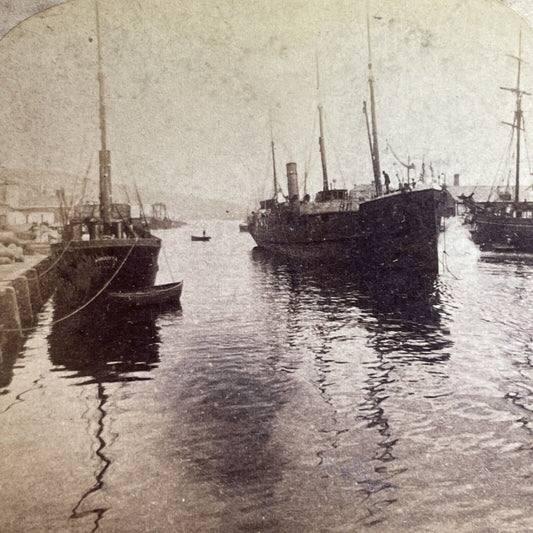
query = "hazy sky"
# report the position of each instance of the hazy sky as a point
(190, 87)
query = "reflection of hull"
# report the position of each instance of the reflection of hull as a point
(397, 231)
(387, 289)
(401, 312)
(87, 268)
(105, 346)
(502, 233)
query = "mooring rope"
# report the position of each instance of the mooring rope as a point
(41, 274)
(82, 307)
(444, 259)
(168, 265)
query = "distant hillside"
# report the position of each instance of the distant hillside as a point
(38, 181)
(35, 184)
(191, 208)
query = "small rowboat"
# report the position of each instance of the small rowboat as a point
(160, 294)
(204, 238)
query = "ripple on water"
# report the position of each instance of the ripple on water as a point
(282, 398)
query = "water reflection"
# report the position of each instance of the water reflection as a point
(403, 314)
(106, 346)
(102, 346)
(103, 462)
(10, 349)
(404, 326)
(230, 394)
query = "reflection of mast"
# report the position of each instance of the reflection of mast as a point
(373, 412)
(374, 149)
(105, 158)
(518, 117)
(104, 461)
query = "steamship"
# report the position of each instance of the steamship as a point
(391, 230)
(101, 249)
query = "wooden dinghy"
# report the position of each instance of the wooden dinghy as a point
(160, 294)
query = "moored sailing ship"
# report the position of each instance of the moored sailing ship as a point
(392, 230)
(505, 224)
(101, 249)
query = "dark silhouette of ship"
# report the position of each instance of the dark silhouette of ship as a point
(390, 230)
(102, 250)
(506, 223)
(159, 219)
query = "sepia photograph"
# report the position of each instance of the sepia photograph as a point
(266, 267)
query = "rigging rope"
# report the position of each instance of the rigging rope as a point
(71, 205)
(168, 264)
(307, 166)
(85, 181)
(408, 166)
(506, 151)
(444, 259)
(527, 150)
(336, 156)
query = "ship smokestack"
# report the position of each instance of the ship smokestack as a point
(456, 180)
(292, 182)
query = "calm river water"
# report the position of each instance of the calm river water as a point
(279, 400)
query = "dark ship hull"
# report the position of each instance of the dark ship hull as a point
(397, 231)
(500, 226)
(494, 232)
(88, 270)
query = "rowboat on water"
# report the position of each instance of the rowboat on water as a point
(159, 294)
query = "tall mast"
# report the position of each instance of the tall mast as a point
(518, 122)
(518, 117)
(374, 149)
(274, 163)
(105, 158)
(325, 186)
(365, 112)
